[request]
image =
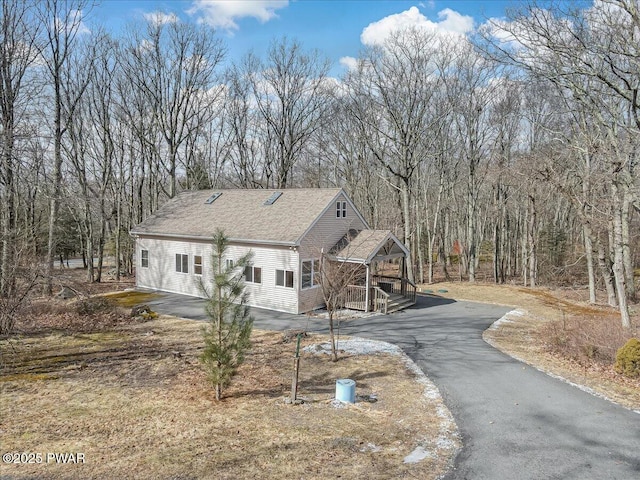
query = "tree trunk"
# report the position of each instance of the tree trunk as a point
(89, 250)
(334, 352)
(55, 196)
(419, 248)
(436, 221)
(525, 248)
(8, 218)
(531, 240)
(496, 252)
(504, 247)
(101, 241)
(618, 256)
(586, 228)
(430, 258)
(588, 249)
(627, 259)
(604, 262)
(173, 185)
(444, 249)
(406, 213)
(471, 233)
(117, 248)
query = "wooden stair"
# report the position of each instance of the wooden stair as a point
(398, 302)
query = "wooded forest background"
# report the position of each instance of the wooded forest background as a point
(509, 155)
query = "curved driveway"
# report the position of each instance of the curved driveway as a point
(516, 422)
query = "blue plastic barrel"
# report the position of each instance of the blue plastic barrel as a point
(346, 390)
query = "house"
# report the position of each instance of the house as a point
(287, 230)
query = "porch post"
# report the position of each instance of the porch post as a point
(403, 277)
(366, 293)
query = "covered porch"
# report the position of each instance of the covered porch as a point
(375, 290)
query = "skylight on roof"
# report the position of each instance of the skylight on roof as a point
(212, 198)
(272, 199)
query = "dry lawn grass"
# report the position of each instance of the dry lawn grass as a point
(75, 278)
(135, 401)
(526, 337)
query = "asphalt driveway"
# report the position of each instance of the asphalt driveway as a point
(517, 423)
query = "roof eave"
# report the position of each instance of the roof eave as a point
(206, 238)
(397, 241)
(348, 259)
(373, 256)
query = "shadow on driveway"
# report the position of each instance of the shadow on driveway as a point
(428, 300)
(193, 308)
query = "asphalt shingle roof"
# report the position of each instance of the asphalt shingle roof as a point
(241, 214)
(362, 245)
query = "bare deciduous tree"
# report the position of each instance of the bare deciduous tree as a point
(18, 50)
(590, 54)
(391, 95)
(290, 92)
(174, 66)
(334, 278)
(62, 23)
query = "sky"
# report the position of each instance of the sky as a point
(338, 29)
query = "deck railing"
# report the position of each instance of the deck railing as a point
(382, 286)
(355, 298)
(395, 285)
(380, 300)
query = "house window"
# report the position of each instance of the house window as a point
(253, 274)
(229, 264)
(197, 264)
(182, 263)
(284, 278)
(310, 273)
(144, 258)
(341, 209)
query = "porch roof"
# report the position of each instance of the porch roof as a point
(366, 246)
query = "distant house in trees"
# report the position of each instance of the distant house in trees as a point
(289, 231)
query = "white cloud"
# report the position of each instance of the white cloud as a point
(145, 46)
(603, 14)
(77, 17)
(224, 13)
(501, 30)
(331, 84)
(518, 36)
(451, 22)
(350, 63)
(73, 23)
(531, 39)
(160, 18)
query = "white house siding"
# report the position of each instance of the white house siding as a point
(270, 259)
(328, 229)
(161, 273)
(322, 236)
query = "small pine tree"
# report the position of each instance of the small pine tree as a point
(227, 335)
